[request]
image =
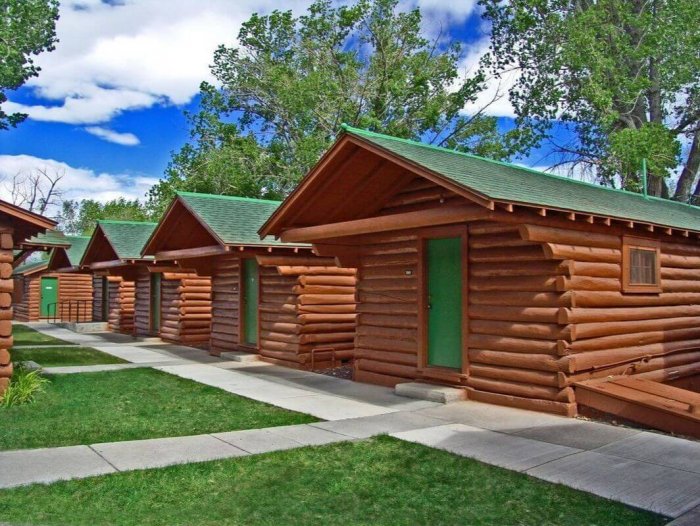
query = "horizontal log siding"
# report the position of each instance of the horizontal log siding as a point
(71, 287)
(186, 307)
(514, 300)
(224, 303)
(386, 345)
(312, 309)
(97, 298)
(142, 304)
(121, 305)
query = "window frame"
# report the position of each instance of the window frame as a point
(629, 243)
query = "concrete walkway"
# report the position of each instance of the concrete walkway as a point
(651, 471)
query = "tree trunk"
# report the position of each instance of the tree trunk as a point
(689, 173)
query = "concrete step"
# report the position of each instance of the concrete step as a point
(434, 393)
(238, 356)
(84, 327)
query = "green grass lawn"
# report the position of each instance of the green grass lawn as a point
(131, 404)
(60, 356)
(24, 335)
(377, 481)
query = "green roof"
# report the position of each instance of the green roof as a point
(49, 238)
(127, 237)
(28, 267)
(497, 180)
(234, 220)
(77, 249)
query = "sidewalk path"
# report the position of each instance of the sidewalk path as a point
(648, 470)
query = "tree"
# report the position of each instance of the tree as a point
(80, 217)
(28, 27)
(621, 75)
(285, 90)
(37, 190)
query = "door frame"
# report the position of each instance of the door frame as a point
(41, 296)
(241, 304)
(424, 369)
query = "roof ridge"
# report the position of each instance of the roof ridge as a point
(360, 131)
(230, 197)
(121, 222)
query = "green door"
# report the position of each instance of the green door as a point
(155, 302)
(49, 296)
(105, 299)
(250, 301)
(444, 291)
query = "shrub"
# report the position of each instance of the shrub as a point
(24, 386)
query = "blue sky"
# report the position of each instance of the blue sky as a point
(107, 108)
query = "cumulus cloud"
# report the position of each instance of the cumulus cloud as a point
(125, 139)
(77, 183)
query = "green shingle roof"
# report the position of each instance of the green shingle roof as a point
(49, 238)
(127, 237)
(77, 249)
(28, 267)
(234, 220)
(507, 182)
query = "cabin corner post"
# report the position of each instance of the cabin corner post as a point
(6, 288)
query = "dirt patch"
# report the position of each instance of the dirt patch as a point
(344, 371)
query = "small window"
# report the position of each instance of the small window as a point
(640, 265)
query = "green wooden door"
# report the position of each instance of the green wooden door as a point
(155, 301)
(444, 291)
(105, 299)
(49, 296)
(250, 301)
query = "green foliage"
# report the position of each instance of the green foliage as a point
(621, 74)
(80, 217)
(290, 83)
(23, 388)
(28, 27)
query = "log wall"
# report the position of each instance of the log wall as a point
(97, 294)
(6, 289)
(186, 306)
(121, 305)
(225, 283)
(142, 304)
(71, 287)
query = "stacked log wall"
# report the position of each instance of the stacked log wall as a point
(121, 305)
(76, 288)
(97, 294)
(6, 288)
(186, 307)
(28, 308)
(142, 303)
(305, 310)
(224, 305)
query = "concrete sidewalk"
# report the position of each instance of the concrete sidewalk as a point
(643, 469)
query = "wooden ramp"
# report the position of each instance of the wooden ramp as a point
(646, 401)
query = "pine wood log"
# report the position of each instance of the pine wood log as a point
(512, 344)
(593, 315)
(491, 227)
(538, 362)
(631, 339)
(524, 299)
(328, 279)
(532, 404)
(496, 240)
(528, 330)
(390, 369)
(502, 255)
(609, 328)
(562, 236)
(582, 253)
(528, 376)
(322, 289)
(297, 270)
(521, 389)
(518, 268)
(523, 314)
(581, 298)
(387, 356)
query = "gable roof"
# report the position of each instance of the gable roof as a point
(24, 222)
(231, 220)
(69, 256)
(127, 237)
(47, 240)
(490, 181)
(516, 184)
(30, 268)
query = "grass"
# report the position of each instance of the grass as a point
(56, 356)
(24, 335)
(131, 404)
(377, 481)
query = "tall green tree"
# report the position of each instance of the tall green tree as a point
(623, 75)
(27, 28)
(292, 81)
(80, 217)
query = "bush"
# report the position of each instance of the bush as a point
(24, 386)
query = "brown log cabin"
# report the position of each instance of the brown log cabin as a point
(16, 225)
(52, 288)
(271, 298)
(136, 296)
(510, 283)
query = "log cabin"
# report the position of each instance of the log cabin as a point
(42, 290)
(16, 225)
(268, 297)
(139, 297)
(510, 283)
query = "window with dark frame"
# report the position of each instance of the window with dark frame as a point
(640, 265)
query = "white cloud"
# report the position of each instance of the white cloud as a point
(77, 183)
(125, 139)
(113, 58)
